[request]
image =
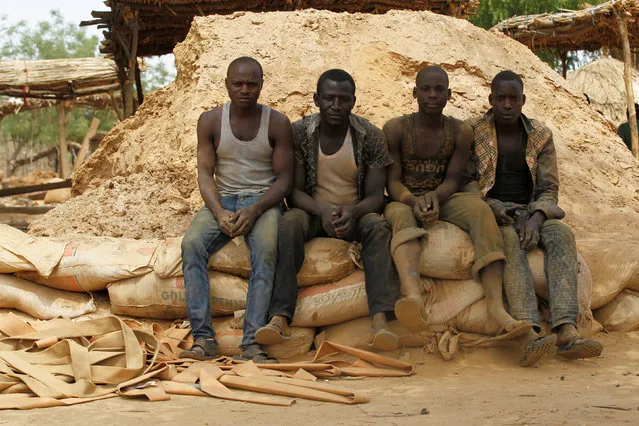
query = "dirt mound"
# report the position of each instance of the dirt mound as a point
(142, 180)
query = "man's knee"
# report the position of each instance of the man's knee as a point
(558, 230)
(400, 216)
(192, 243)
(373, 225)
(293, 222)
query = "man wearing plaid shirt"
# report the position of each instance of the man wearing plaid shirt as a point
(517, 172)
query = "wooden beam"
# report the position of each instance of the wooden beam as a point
(627, 76)
(6, 192)
(25, 209)
(22, 161)
(93, 128)
(62, 135)
(138, 83)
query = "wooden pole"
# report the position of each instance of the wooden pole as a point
(627, 76)
(138, 83)
(131, 64)
(563, 55)
(95, 122)
(64, 157)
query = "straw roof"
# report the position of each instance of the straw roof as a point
(603, 82)
(58, 78)
(586, 29)
(164, 23)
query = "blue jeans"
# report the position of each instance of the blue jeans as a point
(202, 239)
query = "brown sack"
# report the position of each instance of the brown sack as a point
(22, 252)
(42, 302)
(57, 196)
(89, 264)
(327, 304)
(228, 332)
(449, 297)
(357, 333)
(326, 260)
(150, 296)
(614, 265)
(622, 313)
(447, 252)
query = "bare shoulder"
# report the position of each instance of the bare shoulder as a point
(210, 118)
(394, 128)
(279, 118)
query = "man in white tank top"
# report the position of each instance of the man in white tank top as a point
(339, 189)
(245, 169)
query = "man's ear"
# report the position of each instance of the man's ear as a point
(490, 99)
(415, 92)
(354, 99)
(316, 99)
(450, 94)
(523, 99)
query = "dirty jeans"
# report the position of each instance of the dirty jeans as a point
(466, 210)
(202, 239)
(372, 230)
(561, 268)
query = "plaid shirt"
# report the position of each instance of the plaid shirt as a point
(540, 157)
(369, 144)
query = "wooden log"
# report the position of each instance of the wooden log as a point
(25, 209)
(95, 122)
(6, 192)
(627, 76)
(62, 135)
(22, 161)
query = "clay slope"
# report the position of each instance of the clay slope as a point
(142, 181)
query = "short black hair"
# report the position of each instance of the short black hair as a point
(430, 69)
(336, 75)
(507, 75)
(244, 60)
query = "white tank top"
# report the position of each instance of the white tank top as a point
(337, 176)
(244, 166)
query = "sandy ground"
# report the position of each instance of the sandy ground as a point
(485, 386)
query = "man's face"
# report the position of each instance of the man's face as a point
(432, 92)
(507, 99)
(335, 101)
(244, 84)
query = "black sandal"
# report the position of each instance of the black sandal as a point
(201, 350)
(257, 355)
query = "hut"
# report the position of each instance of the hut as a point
(602, 81)
(611, 24)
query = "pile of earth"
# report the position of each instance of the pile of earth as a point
(141, 183)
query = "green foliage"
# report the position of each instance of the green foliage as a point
(157, 75)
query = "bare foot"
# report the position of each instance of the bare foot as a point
(566, 333)
(382, 338)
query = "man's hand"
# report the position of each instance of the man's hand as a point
(504, 215)
(243, 220)
(224, 221)
(426, 208)
(343, 221)
(326, 214)
(529, 231)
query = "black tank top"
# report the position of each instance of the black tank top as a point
(513, 181)
(424, 174)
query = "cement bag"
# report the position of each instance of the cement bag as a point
(614, 266)
(474, 319)
(42, 302)
(326, 260)
(449, 297)
(57, 196)
(327, 304)
(89, 264)
(447, 252)
(357, 333)
(229, 334)
(22, 252)
(150, 296)
(622, 314)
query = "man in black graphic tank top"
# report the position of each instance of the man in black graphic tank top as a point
(430, 156)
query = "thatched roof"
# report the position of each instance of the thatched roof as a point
(58, 78)
(586, 29)
(603, 82)
(164, 23)
(100, 101)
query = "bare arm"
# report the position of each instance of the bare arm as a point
(394, 132)
(206, 160)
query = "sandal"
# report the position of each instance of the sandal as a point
(257, 355)
(201, 350)
(271, 334)
(580, 348)
(537, 349)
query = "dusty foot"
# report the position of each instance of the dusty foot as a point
(410, 311)
(382, 338)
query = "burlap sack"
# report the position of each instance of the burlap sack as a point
(150, 296)
(42, 302)
(622, 313)
(22, 252)
(89, 264)
(447, 252)
(326, 260)
(228, 332)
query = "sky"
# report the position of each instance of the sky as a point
(34, 11)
